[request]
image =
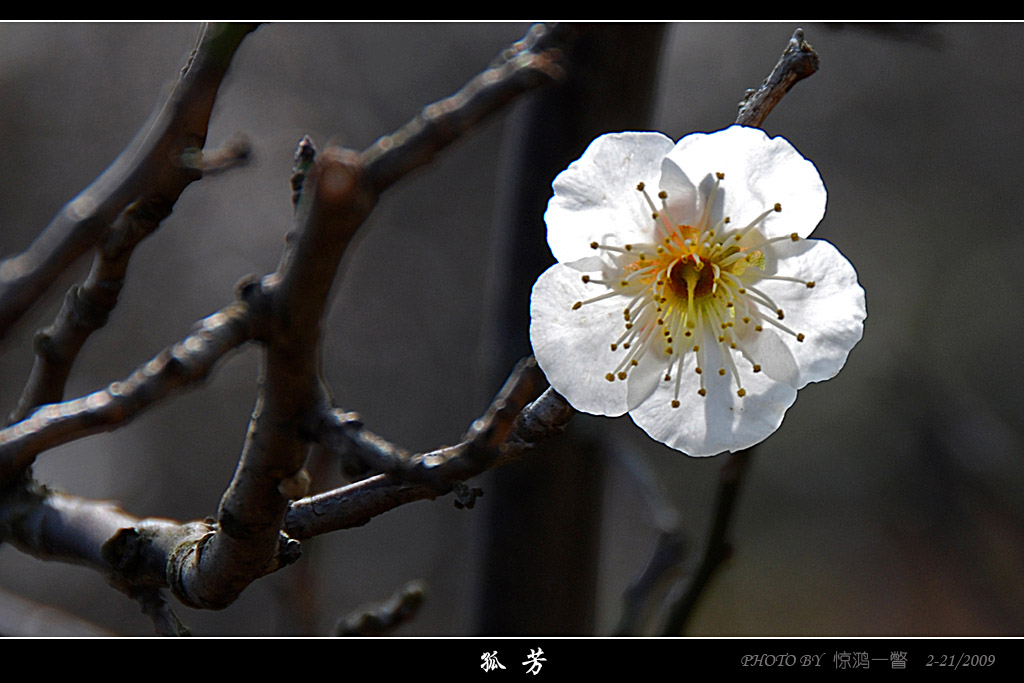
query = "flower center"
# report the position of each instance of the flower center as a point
(691, 273)
(691, 288)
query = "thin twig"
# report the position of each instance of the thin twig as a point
(798, 61)
(87, 306)
(343, 433)
(154, 605)
(717, 549)
(382, 619)
(670, 551)
(671, 548)
(234, 152)
(518, 70)
(358, 503)
(183, 364)
(153, 163)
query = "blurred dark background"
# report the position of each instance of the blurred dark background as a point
(889, 502)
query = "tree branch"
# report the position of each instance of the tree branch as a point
(528, 64)
(380, 620)
(205, 564)
(504, 434)
(270, 471)
(185, 363)
(716, 549)
(87, 306)
(152, 166)
(798, 61)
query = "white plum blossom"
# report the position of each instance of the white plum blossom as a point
(687, 292)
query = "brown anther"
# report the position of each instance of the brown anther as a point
(675, 403)
(702, 391)
(622, 374)
(741, 392)
(720, 175)
(585, 278)
(663, 195)
(757, 368)
(810, 285)
(795, 237)
(577, 305)
(800, 337)
(778, 207)
(640, 186)
(610, 377)
(721, 371)
(594, 245)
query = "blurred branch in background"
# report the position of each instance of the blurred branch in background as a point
(539, 568)
(380, 620)
(22, 617)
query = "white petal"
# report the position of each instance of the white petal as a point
(572, 347)
(596, 197)
(644, 378)
(721, 420)
(769, 350)
(830, 315)
(759, 172)
(684, 202)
